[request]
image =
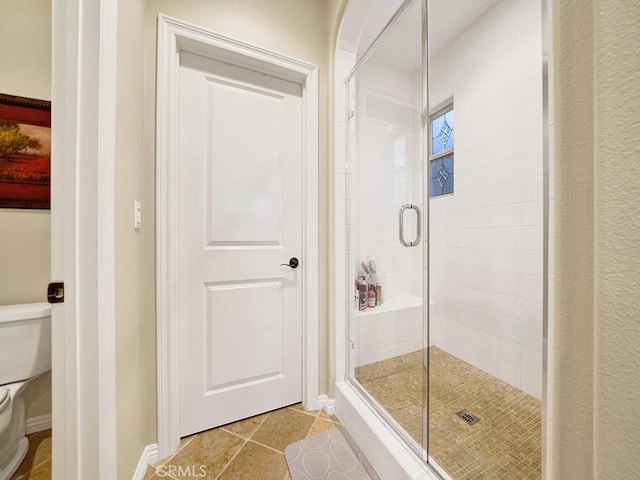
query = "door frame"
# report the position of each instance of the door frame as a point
(175, 36)
(83, 328)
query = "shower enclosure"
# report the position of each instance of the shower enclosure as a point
(445, 182)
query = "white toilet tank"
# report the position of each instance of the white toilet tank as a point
(25, 341)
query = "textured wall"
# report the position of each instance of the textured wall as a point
(617, 238)
(571, 433)
(596, 358)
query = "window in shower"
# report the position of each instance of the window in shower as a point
(442, 144)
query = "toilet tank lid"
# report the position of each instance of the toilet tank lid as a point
(24, 311)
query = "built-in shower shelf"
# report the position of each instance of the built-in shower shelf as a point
(392, 304)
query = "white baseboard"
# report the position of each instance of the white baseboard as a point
(327, 404)
(37, 424)
(149, 456)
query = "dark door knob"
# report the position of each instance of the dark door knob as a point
(293, 263)
(55, 292)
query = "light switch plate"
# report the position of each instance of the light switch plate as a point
(137, 215)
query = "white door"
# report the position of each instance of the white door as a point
(240, 310)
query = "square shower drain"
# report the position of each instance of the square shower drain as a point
(468, 417)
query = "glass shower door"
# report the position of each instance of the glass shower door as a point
(386, 261)
(446, 227)
(486, 222)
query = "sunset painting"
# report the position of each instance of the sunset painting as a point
(25, 153)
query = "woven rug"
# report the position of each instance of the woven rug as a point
(330, 455)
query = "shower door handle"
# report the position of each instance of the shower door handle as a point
(403, 242)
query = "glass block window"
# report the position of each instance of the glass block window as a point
(441, 158)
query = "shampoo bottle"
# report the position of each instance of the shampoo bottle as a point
(379, 300)
(362, 294)
(371, 296)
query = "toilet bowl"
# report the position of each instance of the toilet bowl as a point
(25, 353)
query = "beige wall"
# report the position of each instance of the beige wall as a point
(25, 50)
(617, 238)
(597, 307)
(572, 434)
(335, 12)
(132, 400)
(25, 242)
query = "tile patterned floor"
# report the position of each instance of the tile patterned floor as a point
(505, 444)
(37, 463)
(251, 449)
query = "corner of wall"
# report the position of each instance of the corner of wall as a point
(571, 419)
(616, 364)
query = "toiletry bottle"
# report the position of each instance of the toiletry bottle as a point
(371, 296)
(378, 294)
(362, 294)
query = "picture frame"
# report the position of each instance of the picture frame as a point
(25, 153)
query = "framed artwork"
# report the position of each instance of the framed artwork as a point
(25, 152)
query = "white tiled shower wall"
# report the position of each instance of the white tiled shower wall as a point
(387, 170)
(386, 173)
(487, 239)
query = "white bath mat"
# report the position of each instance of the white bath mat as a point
(330, 455)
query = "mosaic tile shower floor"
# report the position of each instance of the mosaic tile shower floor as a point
(505, 444)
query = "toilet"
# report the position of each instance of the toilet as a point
(25, 353)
